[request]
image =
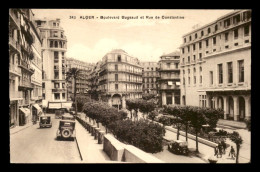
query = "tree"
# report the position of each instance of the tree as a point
(130, 106)
(146, 107)
(236, 138)
(248, 124)
(153, 115)
(73, 73)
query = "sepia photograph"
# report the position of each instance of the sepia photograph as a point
(128, 86)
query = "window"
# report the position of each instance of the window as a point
(200, 56)
(236, 19)
(168, 65)
(216, 27)
(63, 95)
(196, 36)
(182, 50)
(116, 67)
(230, 72)
(183, 60)
(226, 36)
(56, 44)
(246, 30)
(190, 38)
(54, 24)
(241, 70)
(235, 33)
(63, 85)
(119, 58)
(147, 85)
(202, 33)
(194, 58)
(57, 85)
(246, 15)
(188, 71)
(43, 85)
(51, 44)
(116, 86)
(194, 46)
(214, 40)
(57, 96)
(209, 30)
(201, 79)
(116, 77)
(188, 58)
(227, 22)
(184, 40)
(43, 95)
(200, 45)
(220, 73)
(211, 77)
(183, 81)
(176, 65)
(188, 48)
(194, 79)
(207, 43)
(56, 74)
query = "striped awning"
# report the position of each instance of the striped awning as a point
(26, 111)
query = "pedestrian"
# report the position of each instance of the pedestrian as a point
(224, 145)
(232, 152)
(216, 151)
(220, 150)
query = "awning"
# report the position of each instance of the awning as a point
(39, 109)
(26, 111)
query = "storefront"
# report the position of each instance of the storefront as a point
(36, 111)
(24, 114)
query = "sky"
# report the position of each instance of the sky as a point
(146, 39)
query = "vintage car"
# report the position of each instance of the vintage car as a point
(178, 147)
(45, 121)
(59, 113)
(66, 130)
(67, 116)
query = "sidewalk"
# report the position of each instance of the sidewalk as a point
(90, 150)
(16, 129)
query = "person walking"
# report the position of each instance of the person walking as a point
(216, 151)
(224, 145)
(232, 152)
(220, 150)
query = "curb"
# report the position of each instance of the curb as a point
(21, 129)
(78, 148)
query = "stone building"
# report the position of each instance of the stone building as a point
(169, 78)
(150, 75)
(24, 71)
(120, 77)
(216, 65)
(54, 47)
(82, 82)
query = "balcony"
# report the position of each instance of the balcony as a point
(26, 66)
(14, 45)
(170, 77)
(59, 90)
(25, 85)
(172, 87)
(14, 70)
(14, 18)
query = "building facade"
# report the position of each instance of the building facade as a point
(82, 82)
(169, 78)
(216, 65)
(150, 75)
(23, 51)
(54, 47)
(120, 77)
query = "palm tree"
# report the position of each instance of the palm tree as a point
(236, 138)
(73, 73)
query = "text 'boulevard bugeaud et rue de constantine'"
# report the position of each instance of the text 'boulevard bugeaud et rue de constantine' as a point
(127, 17)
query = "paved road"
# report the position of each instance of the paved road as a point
(35, 145)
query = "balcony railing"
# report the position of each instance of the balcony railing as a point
(14, 44)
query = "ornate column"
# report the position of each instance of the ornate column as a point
(225, 106)
(248, 107)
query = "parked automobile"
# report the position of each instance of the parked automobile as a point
(178, 147)
(59, 113)
(45, 121)
(67, 116)
(66, 130)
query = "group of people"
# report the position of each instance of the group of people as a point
(221, 149)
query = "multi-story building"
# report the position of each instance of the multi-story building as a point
(82, 82)
(150, 75)
(169, 78)
(120, 77)
(94, 81)
(23, 51)
(216, 65)
(54, 47)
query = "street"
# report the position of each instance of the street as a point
(39, 145)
